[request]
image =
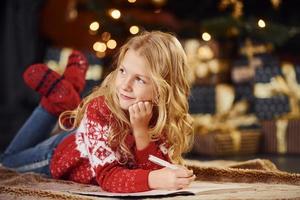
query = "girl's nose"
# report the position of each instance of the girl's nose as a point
(127, 84)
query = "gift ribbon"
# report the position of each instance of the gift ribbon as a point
(224, 98)
(281, 127)
(236, 140)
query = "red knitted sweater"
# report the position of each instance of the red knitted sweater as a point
(85, 156)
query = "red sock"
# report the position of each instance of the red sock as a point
(76, 70)
(63, 98)
(41, 79)
(57, 94)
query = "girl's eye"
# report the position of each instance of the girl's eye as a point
(122, 71)
(139, 80)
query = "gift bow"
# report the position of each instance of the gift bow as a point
(286, 85)
(250, 50)
(229, 116)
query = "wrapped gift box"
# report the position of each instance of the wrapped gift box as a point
(202, 99)
(243, 70)
(224, 144)
(232, 131)
(260, 68)
(281, 136)
(253, 55)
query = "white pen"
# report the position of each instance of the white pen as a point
(161, 162)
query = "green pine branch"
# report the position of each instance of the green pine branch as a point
(227, 26)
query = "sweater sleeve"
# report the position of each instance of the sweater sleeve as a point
(109, 174)
(157, 149)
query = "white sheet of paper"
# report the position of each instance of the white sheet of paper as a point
(194, 188)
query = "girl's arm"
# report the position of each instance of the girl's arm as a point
(140, 115)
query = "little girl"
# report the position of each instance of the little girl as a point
(140, 109)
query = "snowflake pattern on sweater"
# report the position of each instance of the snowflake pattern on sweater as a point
(86, 157)
(91, 141)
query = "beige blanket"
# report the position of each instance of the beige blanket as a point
(261, 177)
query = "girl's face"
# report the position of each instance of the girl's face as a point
(133, 82)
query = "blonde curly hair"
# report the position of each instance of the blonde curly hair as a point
(167, 60)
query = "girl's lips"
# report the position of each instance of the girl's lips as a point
(126, 97)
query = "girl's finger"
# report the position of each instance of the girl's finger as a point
(131, 111)
(148, 107)
(136, 108)
(183, 173)
(141, 106)
(192, 178)
(185, 182)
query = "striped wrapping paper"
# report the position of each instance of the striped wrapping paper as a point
(281, 136)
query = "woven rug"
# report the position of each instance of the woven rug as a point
(261, 177)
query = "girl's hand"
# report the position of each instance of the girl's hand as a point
(140, 115)
(171, 179)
